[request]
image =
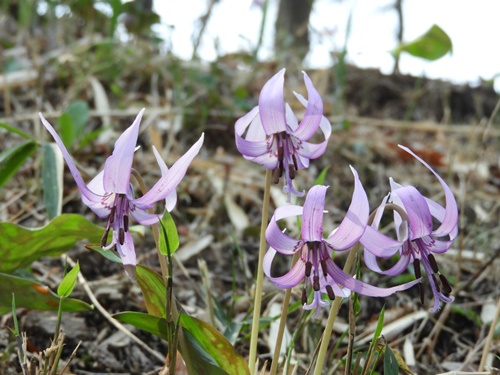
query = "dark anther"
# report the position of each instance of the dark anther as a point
(422, 293)
(281, 153)
(304, 296)
(316, 283)
(436, 282)
(309, 266)
(125, 222)
(329, 290)
(323, 267)
(104, 238)
(295, 162)
(433, 263)
(416, 266)
(276, 175)
(112, 215)
(446, 285)
(121, 236)
(291, 170)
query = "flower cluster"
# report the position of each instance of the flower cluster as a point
(270, 135)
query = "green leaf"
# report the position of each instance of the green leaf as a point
(169, 239)
(108, 254)
(31, 294)
(145, 322)
(66, 130)
(320, 180)
(78, 112)
(20, 246)
(52, 179)
(16, 131)
(68, 283)
(380, 325)
(215, 344)
(196, 358)
(391, 366)
(12, 159)
(434, 44)
(153, 290)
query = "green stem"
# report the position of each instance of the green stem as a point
(327, 333)
(281, 328)
(260, 276)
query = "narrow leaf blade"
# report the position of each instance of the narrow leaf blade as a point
(68, 283)
(12, 159)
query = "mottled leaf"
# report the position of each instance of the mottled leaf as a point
(33, 295)
(52, 179)
(215, 344)
(13, 158)
(153, 290)
(20, 246)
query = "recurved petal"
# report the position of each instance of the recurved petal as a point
(127, 250)
(360, 287)
(272, 104)
(119, 165)
(274, 235)
(243, 122)
(171, 199)
(449, 222)
(252, 148)
(415, 206)
(314, 112)
(268, 160)
(312, 217)
(353, 226)
(143, 217)
(86, 192)
(290, 279)
(168, 182)
(379, 244)
(439, 212)
(398, 268)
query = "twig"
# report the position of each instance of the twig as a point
(108, 316)
(489, 338)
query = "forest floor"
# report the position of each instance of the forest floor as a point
(454, 127)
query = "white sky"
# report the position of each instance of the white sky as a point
(473, 27)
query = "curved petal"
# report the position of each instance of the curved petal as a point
(252, 148)
(172, 178)
(290, 279)
(439, 212)
(314, 112)
(450, 220)
(143, 217)
(86, 192)
(291, 120)
(312, 217)
(419, 216)
(101, 208)
(360, 287)
(398, 268)
(275, 236)
(272, 104)
(243, 122)
(127, 250)
(379, 244)
(268, 160)
(355, 220)
(439, 247)
(311, 150)
(118, 166)
(171, 199)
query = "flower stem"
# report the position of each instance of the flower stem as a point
(260, 275)
(281, 328)
(327, 333)
(489, 338)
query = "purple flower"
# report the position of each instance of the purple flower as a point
(315, 264)
(416, 238)
(110, 194)
(270, 134)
